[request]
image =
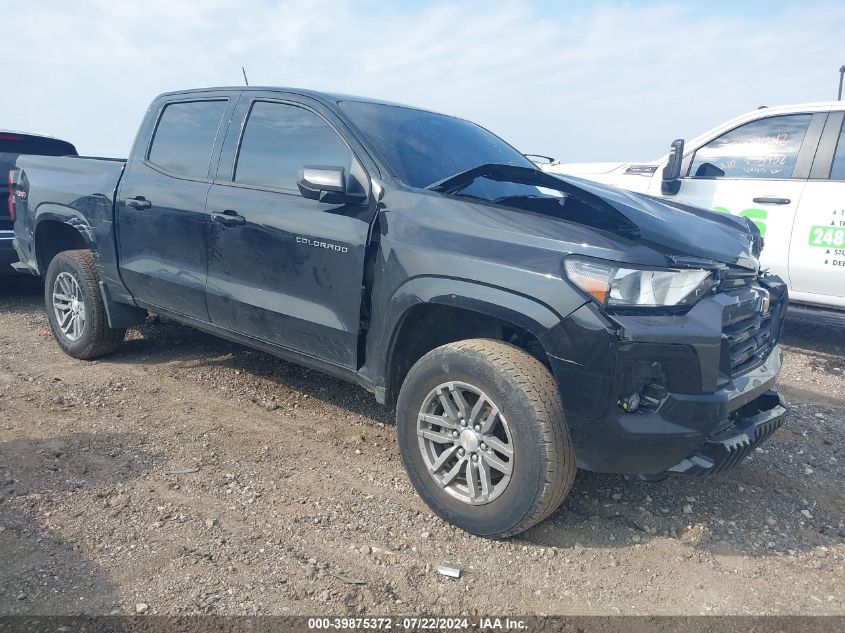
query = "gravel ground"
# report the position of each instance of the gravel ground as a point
(190, 475)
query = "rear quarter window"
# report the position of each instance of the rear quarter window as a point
(185, 135)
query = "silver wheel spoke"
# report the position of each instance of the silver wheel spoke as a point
(475, 414)
(498, 445)
(438, 420)
(490, 420)
(448, 406)
(485, 477)
(458, 397)
(436, 436)
(444, 457)
(66, 320)
(453, 472)
(472, 481)
(495, 462)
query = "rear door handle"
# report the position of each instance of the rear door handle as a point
(770, 200)
(228, 218)
(138, 202)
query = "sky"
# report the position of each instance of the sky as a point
(580, 81)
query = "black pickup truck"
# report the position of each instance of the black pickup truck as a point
(12, 145)
(521, 323)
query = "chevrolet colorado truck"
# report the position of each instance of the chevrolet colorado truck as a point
(522, 324)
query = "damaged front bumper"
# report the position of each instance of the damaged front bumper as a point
(705, 380)
(686, 433)
(750, 426)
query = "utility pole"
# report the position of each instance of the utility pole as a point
(841, 74)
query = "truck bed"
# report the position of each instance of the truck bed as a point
(70, 189)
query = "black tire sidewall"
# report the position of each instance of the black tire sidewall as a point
(511, 507)
(63, 263)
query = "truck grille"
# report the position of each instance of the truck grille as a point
(749, 332)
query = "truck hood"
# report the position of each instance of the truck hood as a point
(677, 230)
(577, 169)
(631, 176)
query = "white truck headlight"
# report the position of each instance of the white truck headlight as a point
(620, 287)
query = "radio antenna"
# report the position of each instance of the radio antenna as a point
(243, 70)
(841, 74)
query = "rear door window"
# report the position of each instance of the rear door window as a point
(185, 135)
(280, 139)
(765, 148)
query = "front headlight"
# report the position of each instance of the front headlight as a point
(621, 287)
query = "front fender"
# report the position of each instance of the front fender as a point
(506, 305)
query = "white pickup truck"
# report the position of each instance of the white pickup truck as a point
(782, 167)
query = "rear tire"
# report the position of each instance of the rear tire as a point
(518, 463)
(75, 307)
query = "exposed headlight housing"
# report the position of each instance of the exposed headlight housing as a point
(618, 286)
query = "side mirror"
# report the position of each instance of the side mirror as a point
(672, 172)
(327, 184)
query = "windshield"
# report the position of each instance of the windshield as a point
(422, 148)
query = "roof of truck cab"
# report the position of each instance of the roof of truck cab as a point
(329, 97)
(812, 105)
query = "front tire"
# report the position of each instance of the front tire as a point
(75, 307)
(483, 437)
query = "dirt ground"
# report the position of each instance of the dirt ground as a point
(190, 475)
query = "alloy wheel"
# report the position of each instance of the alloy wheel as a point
(465, 443)
(69, 306)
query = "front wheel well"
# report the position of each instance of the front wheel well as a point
(428, 326)
(51, 238)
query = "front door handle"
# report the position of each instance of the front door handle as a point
(138, 202)
(771, 200)
(228, 218)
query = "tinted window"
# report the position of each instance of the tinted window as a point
(185, 137)
(12, 146)
(280, 139)
(837, 171)
(766, 148)
(422, 147)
